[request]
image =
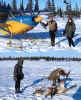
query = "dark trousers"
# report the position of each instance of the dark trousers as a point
(52, 35)
(70, 40)
(17, 86)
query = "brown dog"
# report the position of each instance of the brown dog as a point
(55, 75)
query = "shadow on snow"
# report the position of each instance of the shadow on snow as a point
(41, 35)
(77, 95)
(40, 80)
(77, 41)
(34, 83)
(37, 35)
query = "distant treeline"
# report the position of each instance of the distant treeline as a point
(34, 7)
(41, 58)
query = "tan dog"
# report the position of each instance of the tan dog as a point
(55, 75)
(59, 89)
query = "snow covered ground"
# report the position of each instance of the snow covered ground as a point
(41, 45)
(33, 73)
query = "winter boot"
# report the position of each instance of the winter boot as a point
(52, 43)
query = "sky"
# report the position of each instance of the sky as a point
(42, 3)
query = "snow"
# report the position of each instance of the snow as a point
(24, 47)
(32, 79)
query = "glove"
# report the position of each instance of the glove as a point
(64, 32)
(43, 25)
(72, 35)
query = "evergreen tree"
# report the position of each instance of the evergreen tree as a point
(80, 10)
(21, 5)
(77, 12)
(14, 5)
(76, 7)
(36, 5)
(0, 5)
(29, 5)
(26, 7)
(8, 6)
(4, 5)
(59, 12)
(69, 9)
(53, 7)
(49, 5)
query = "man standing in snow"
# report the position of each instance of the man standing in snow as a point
(18, 75)
(52, 29)
(69, 31)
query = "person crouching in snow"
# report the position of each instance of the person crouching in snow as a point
(70, 31)
(18, 75)
(52, 29)
(55, 75)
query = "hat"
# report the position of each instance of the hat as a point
(20, 61)
(50, 16)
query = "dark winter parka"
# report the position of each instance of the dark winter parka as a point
(69, 29)
(18, 74)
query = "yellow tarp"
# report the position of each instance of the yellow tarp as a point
(15, 27)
